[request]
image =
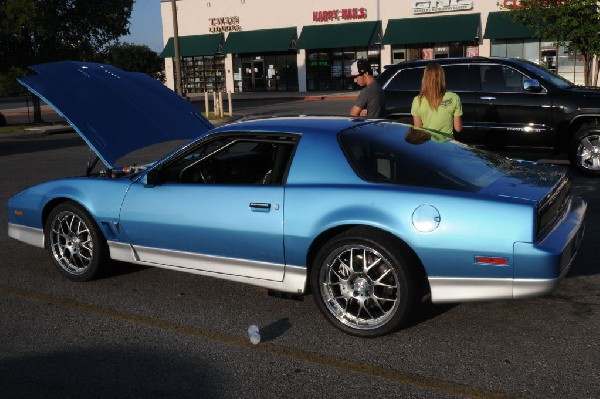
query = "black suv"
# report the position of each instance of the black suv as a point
(508, 103)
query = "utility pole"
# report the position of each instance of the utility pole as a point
(177, 58)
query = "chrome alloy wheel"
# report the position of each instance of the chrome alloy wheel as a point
(588, 152)
(71, 243)
(359, 287)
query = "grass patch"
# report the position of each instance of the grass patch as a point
(13, 128)
(212, 116)
(25, 126)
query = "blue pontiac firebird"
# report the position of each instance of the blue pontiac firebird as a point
(368, 215)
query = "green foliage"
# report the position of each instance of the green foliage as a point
(8, 82)
(137, 58)
(38, 31)
(574, 24)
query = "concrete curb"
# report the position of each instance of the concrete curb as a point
(51, 129)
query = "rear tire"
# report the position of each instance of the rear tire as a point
(584, 151)
(76, 244)
(362, 283)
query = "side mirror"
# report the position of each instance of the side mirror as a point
(151, 179)
(532, 85)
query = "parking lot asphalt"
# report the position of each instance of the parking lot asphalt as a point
(19, 110)
(147, 332)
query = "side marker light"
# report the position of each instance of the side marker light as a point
(491, 260)
(18, 213)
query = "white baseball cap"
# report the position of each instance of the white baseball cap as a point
(359, 67)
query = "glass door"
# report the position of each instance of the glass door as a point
(258, 74)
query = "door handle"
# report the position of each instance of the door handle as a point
(260, 205)
(488, 98)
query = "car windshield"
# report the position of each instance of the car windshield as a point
(388, 152)
(550, 76)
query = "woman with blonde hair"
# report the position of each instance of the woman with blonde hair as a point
(435, 108)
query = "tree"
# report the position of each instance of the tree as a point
(574, 24)
(38, 31)
(137, 58)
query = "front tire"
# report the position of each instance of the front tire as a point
(76, 244)
(584, 151)
(362, 283)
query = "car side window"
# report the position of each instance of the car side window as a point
(233, 160)
(501, 79)
(459, 78)
(406, 80)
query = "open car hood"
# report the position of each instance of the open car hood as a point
(114, 111)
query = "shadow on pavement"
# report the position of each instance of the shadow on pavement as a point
(38, 143)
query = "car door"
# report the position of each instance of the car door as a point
(462, 80)
(508, 115)
(217, 208)
(400, 90)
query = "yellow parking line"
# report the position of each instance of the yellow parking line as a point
(427, 383)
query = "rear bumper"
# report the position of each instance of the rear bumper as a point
(538, 268)
(551, 258)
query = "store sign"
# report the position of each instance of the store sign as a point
(224, 24)
(344, 14)
(431, 6)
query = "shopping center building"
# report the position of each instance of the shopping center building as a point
(299, 46)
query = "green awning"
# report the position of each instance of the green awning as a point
(444, 29)
(352, 34)
(191, 46)
(501, 26)
(261, 41)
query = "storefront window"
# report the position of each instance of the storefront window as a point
(270, 72)
(398, 55)
(531, 51)
(544, 53)
(571, 66)
(203, 74)
(286, 73)
(329, 69)
(437, 50)
(457, 50)
(498, 49)
(548, 55)
(514, 50)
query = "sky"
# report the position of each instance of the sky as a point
(145, 25)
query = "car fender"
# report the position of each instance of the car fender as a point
(101, 198)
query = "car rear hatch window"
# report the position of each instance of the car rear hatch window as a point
(394, 153)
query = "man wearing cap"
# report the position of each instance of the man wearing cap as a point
(371, 100)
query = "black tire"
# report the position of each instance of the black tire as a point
(76, 244)
(584, 151)
(363, 299)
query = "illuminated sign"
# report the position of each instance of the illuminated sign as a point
(224, 24)
(430, 6)
(343, 14)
